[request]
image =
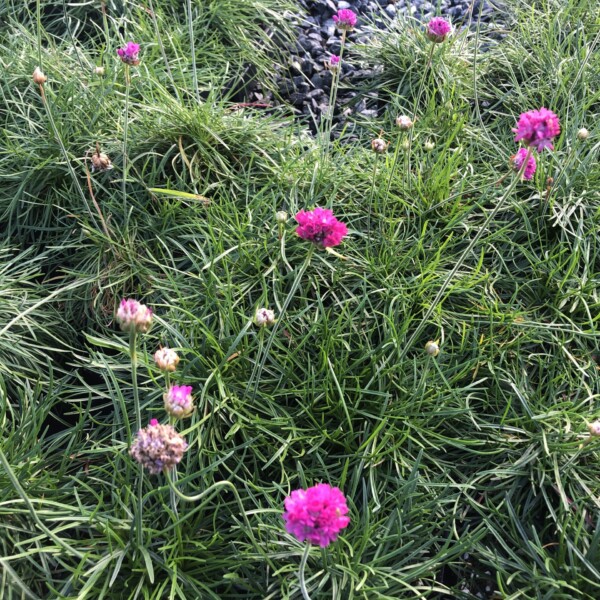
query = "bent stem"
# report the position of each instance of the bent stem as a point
(462, 258)
(301, 573)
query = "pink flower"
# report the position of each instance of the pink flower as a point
(517, 162)
(317, 514)
(438, 29)
(320, 227)
(158, 447)
(179, 402)
(129, 54)
(345, 19)
(166, 359)
(134, 315)
(537, 128)
(334, 60)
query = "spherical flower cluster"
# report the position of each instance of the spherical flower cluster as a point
(320, 227)
(281, 217)
(134, 315)
(404, 122)
(158, 447)
(264, 317)
(583, 134)
(537, 128)
(438, 29)
(317, 514)
(517, 162)
(345, 19)
(129, 54)
(100, 162)
(166, 359)
(179, 402)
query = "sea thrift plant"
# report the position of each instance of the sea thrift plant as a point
(432, 348)
(317, 514)
(129, 54)
(517, 162)
(594, 428)
(320, 227)
(179, 402)
(438, 29)
(134, 315)
(537, 128)
(333, 64)
(345, 19)
(39, 77)
(404, 122)
(166, 359)
(158, 447)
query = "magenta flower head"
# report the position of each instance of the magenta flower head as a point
(129, 54)
(517, 160)
(158, 447)
(134, 315)
(438, 29)
(345, 19)
(319, 226)
(537, 128)
(333, 64)
(317, 514)
(179, 402)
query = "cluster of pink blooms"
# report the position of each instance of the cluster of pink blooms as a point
(158, 447)
(438, 29)
(320, 227)
(345, 19)
(179, 402)
(317, 514)
(132, 315)
(129, 54)
(537, 129)
(517, 163)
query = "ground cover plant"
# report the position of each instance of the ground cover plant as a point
(241, 359)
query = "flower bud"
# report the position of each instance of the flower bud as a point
(39, 77)
(432, 348)
(406, 145)
(264, 317)
(594, 429)
(166, 359)
(404, 122)
(333, 64)
(379, 146)
(100, 162)
(99, 71)
(132, 315)
(429, 145)
(179, 402)
(583, 134)
(281, 216)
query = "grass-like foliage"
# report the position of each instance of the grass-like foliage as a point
(467, 474)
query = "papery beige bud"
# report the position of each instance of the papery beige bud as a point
(166, 359)
(39, 77)
(583, 134)
(264, 317)
(594, 428)
(99, 71)
(432, 348)
(281, 216)
(379, 146)
(429, 145)
(404, 122)
(100, 162)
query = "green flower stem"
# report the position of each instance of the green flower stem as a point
(125, 128)
(462, 258)
(134, 383)
(301, 572)
(19, 489)
(193, 50)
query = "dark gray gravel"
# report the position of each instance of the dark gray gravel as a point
(307, 84)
